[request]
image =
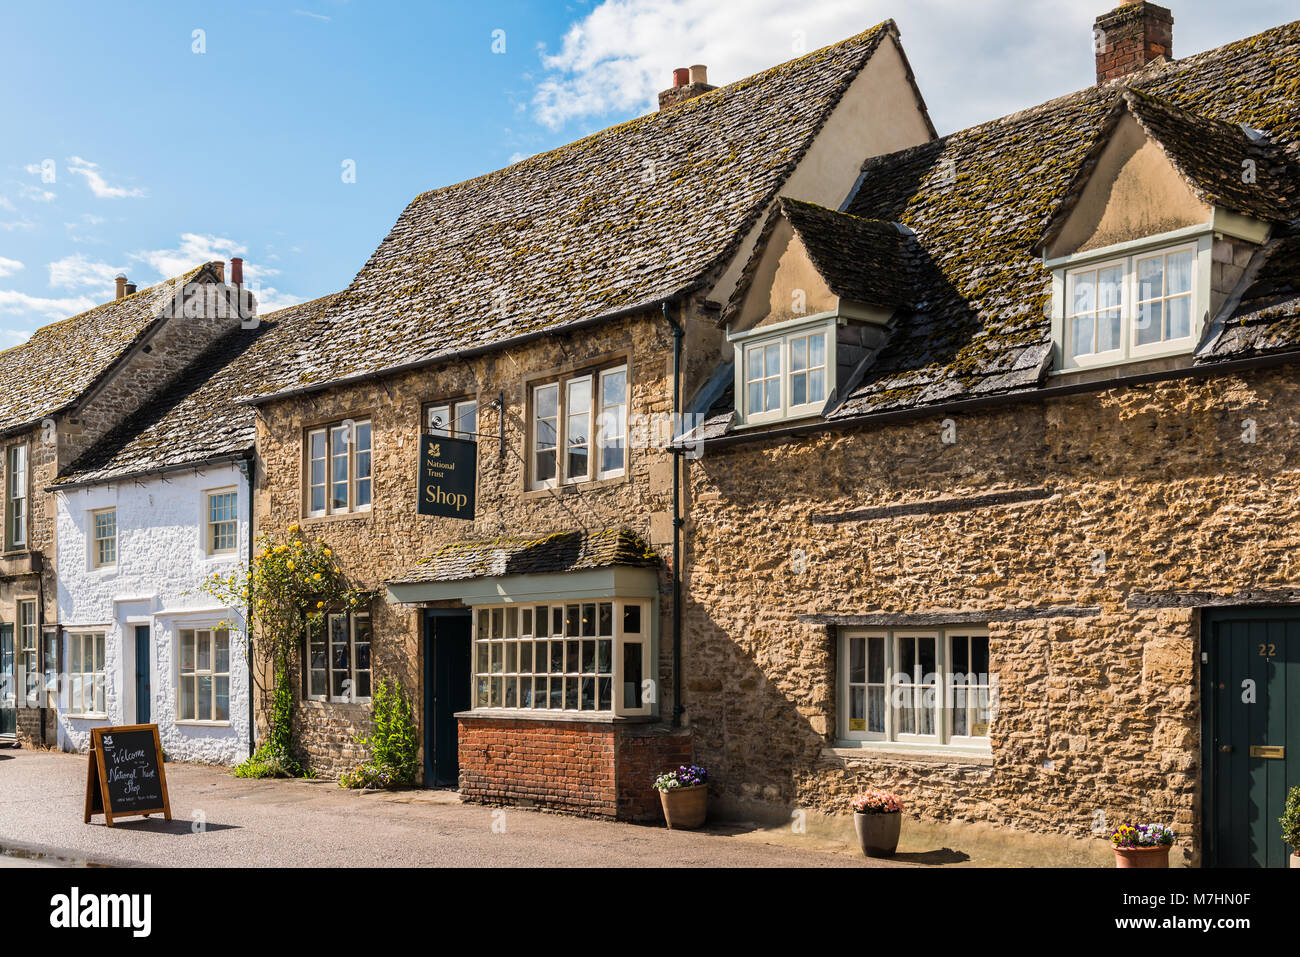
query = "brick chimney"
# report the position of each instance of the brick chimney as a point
(236, 271)
(121, 286)
(1129, 37)
(688, 82)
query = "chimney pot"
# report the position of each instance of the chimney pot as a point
(1129, 37)
(681, 76)
(699, 73)
(236, 271)
(130, 289)
(121, 286)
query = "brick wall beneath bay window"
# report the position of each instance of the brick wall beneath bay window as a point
(593, 768)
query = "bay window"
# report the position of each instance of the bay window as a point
(1131, 307)
(578, 428)
(586, 656)
(787, 374)
(338, 468)
(916, 687)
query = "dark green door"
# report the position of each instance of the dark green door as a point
(1252, 744)
(8, 685)
(142, 694)
(446, 691)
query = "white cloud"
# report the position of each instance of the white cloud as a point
(194, 249)
(76, 270)
(9, 266)
(314, 16)
(19, 302)
(7, 203)
(98, 185)
(36, 194)
(12, 225)
(973, 61)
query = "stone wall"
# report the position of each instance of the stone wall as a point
(386, 541)
(1148, 489)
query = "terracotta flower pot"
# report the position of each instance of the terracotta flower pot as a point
(1142, 856)
(878, 833)
(685, 808)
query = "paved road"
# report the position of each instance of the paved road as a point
(317, 824)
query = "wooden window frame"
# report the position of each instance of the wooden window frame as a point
(209, 525)
(195, 673)
(454, 409)
(355, 479)
(325, 627)
(784, 339)
(595, 376)
(11, 542)
(94, 538)
(76, 655)
(27, 674)
(945, 692)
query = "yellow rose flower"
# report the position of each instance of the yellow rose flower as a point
(289, 565)
(293, 529)
(316, 577)
(328, 553)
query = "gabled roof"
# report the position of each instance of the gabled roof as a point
(978, 201)
(620, 220)
(863, 260)
(61, 361)
(200, 417)
(1210, 155)
(522, 555)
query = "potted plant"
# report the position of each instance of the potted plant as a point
(1290, 821)
(684, 794)
(1146, 845)
(878, 819)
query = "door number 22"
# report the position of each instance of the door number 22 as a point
(1267, 650)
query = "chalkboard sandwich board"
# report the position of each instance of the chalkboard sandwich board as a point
(125, 776)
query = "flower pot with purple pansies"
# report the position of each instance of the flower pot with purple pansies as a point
(684, 795)
(1143, 846)
(878, 820)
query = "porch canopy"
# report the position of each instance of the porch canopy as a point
(577, 564)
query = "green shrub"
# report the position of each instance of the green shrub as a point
(274, 759)
(1290, 820)
(394, 747)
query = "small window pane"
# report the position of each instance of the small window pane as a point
(632, 619)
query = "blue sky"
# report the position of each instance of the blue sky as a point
(136, 144)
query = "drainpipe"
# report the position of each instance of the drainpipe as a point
(246, 467)
(678, 522)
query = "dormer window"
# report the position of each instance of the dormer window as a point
(1131, 307)
(785, 372)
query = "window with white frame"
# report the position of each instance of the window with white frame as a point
(338, 468)
(16, 497)
(923, 687)
(457, 419)
(103, 537)
(203, 679)
(581, 656)
(787, 375)
(578, 428)
(338, 658)
(1131, 307)
(86, 674)
(29, 675)
(222, 537)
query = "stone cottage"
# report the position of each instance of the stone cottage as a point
(62, 390)
(524, 342)
(997, 507)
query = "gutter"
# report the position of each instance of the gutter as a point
(1004, 399)
(676, 450)
(248, 467)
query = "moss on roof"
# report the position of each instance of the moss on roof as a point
(617, 220)
(531, 555)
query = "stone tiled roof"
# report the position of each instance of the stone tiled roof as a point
(522, 555)
(201, 416)
(979, 200)
(49, 371)
(864, 260)
(622, 219)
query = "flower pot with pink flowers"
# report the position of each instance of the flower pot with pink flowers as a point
(878, 820)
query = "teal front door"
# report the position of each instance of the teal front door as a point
(8, 684)
(1252, 740)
